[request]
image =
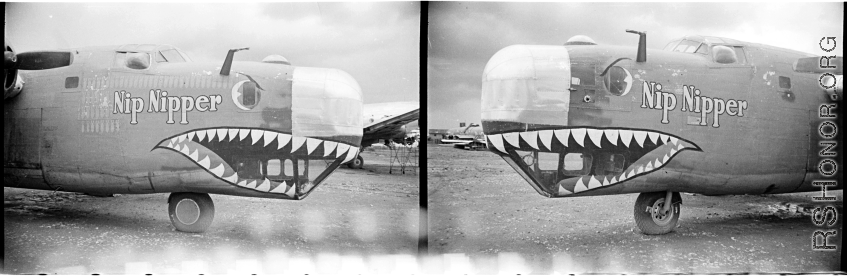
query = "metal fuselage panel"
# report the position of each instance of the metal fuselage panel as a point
(753, 138)
(121, 130)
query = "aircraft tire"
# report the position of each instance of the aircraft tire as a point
(357, 163)
(648, 213)
(191, 212)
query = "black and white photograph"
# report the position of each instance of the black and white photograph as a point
(211, 138)
(634, 137)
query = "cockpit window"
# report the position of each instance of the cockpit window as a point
(160, 57)
(172, 55)
(670, 45)
(723, 55)
(132, 60)
(687, 46)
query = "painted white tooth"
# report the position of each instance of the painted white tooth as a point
(182, 137)
(282, 140)
(232, 133)
(251, 184)
(611, 135)
(605, 181)
(351, 154)
(296, 142)
(201, 135)
(291, 192)
(631, 174)
(193, 155)
(243, 133)
(546, 138)
(673, 151)
(184, 150)
(312, 144)
(174, 140)
(663, 138)
(622, 177)
(674, 140)
(219, 170)
(657, 163)
(512, 138)
(496, 140)
(531, 138)
(649, 167)
(653, 137)
(190, 136)
(593, 183)
(178, 147)
(232, 178)
(562, 135)
(665, 159)
(211, 134)
(265, 186)
(579, 136)
(221, 134)
(639, 137)
(243, 183)
(680, 147)
(613, 181)
(640, 169)
(204, 162)
(579, 186)
(342, 149)
(170, 144)
(269, 137)
(596, 136)
(626, 136)
(563, 191)
(255, 134)
(329, 146)
(279, 188)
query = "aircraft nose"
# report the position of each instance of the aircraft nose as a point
(326, 103)
(526, 84)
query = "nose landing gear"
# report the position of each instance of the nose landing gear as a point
(654, 215)
(191, 212)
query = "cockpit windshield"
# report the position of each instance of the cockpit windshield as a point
(171, 55)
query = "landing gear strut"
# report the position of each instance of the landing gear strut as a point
(191, 212)
(653, 215)
(357, 163)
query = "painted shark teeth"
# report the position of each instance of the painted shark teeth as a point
(655, 150)
(597, 137)
(194, 145)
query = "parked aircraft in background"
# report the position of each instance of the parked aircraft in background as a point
(704, 115)
(136, 119)
(470, 137)
(386, 121)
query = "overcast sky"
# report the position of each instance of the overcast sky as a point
(464, 35)
(376, 43)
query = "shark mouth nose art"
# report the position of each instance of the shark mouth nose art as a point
(573, 160)
(262, 160)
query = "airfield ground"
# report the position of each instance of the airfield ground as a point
(358, 221)
(484, 218)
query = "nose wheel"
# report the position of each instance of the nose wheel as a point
(356, 163)
(191, 212)
(652, 215)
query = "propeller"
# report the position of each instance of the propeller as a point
(39, 60)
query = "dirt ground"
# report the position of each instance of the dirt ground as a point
(358, 219)
(484, 218)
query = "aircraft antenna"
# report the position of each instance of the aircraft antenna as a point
(642, 45)
(228, 61)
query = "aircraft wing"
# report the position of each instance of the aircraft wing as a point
(385, 120)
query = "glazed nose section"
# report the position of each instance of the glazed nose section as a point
(526, 84)
(326, 103)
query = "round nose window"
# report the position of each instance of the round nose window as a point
(245, 95)
(618, 81)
